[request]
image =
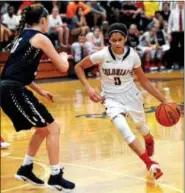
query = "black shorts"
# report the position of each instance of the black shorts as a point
(22, 107)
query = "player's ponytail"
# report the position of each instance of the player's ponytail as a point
(23, 20)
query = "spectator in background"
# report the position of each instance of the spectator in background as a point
(73, 6)
(176, 35)
(61, 5)
(49, 5)
(133, 36)
(165, 30)
(5, 35)
(162, 36)
(165, 13)
(139, 4)
(107, 6)
(10, 19)
(96, 38)
(150, 7)
(23, 5)
(130, 13)
(3, 8)
(97, 12)
(79, 23)
(115, 7)
(79, 50)
(56, 26)
(157, 19)
(163, 40)
(149, 47)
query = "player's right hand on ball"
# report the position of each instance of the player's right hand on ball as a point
(94, 95)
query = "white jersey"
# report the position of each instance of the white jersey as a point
(117, 71)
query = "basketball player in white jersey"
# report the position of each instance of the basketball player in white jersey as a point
(118, 64)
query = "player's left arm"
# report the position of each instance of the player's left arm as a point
(41, 92)
(146, 84)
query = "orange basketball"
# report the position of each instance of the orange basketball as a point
(168, 114)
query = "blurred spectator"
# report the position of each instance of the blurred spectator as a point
(73, 6)
(79, 24)
(130, 13)
(23, 5)
(163, 40)
(162, 37)
(156, 20)
(107, 7)
(62, 6)
(165, 11)
(56, 26)
(104, 29)
(150, 7)
(115, 7)
(5, 35)
(176, 35)
(97, 12)
(149, 47)
(139, 4)
(96, 38)
(79, 50)
(3, 8)
(10, 19)
(133, 36)
(163, 45)
(49, 5)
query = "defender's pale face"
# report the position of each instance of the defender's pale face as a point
(44, 22)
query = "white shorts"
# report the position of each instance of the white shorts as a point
(130, 102)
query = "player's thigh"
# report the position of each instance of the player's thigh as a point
(23, 108)
(114, 108)
(136, 108)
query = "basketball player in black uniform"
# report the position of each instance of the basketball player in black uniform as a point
(19, 103)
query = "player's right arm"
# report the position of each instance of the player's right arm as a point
(79, 69)
(146, 84)
(59, 60)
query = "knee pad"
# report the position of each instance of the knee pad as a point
(121, 124)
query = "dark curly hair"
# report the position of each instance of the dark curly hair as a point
(30, 15)
(118, 28)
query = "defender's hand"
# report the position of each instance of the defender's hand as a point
(47, 95)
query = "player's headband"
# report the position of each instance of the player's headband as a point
(44, 13)
(117, 30)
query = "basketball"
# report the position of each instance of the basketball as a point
(168, 114)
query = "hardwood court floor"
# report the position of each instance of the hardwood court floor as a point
(93, 152)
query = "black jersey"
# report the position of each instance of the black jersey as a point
(23, 60)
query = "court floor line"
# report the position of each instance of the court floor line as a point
(92, 168)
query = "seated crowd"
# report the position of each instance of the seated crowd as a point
(82, 27)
